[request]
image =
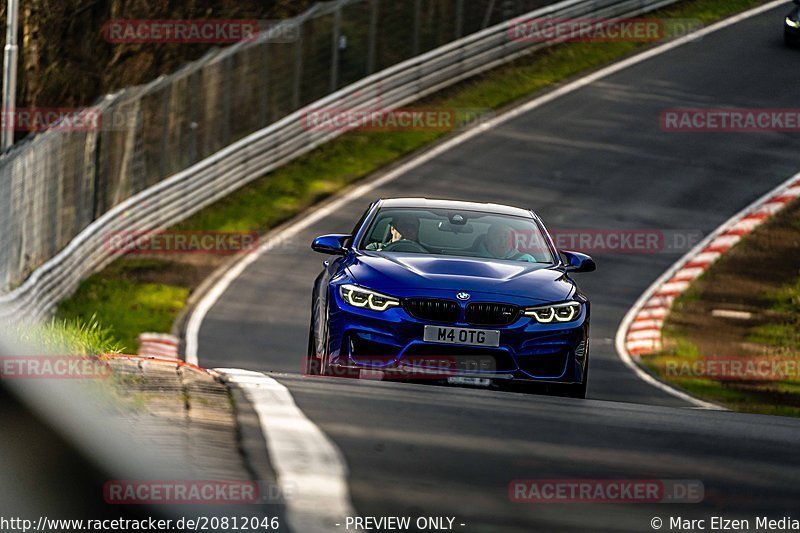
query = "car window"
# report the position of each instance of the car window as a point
(461, 233)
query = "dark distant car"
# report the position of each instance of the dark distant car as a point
(791, 26)
(468, 293)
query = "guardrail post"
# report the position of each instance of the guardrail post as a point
(97, 173)
(194, 118)
(6, 220)
(84, 205)
(459, 18)
(227, 72)
(55, 198)
(337, 35)
(162, 163)
(417, 26)
(298, 69)
(508, 10)
(487, 18)
(373, 35)
(265, 115)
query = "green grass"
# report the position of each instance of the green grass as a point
(132, 307)
(129, 306)
(757, 397)
(779, 336)
(784, 331)
(69, 336)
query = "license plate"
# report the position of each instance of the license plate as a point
(463, 336)
(475, 382)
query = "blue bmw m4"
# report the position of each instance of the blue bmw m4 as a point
(458, 292)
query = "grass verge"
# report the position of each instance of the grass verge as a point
(758, 280)
(130, 305)
(70, 336)
(133, 296)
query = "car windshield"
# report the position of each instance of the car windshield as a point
(458, 233)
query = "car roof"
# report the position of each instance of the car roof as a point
(455, 205)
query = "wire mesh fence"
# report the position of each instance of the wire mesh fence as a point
(54, 184)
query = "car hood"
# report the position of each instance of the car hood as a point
(407, 274)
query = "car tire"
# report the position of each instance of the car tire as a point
(578, 390)
(318, 366)
(313, 363)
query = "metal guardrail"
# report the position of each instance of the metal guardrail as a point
(209, 180)
(54, 184)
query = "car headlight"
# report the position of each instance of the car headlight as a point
(547, 314)
(365, 298)
(792, 23)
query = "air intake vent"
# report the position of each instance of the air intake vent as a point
(580, 351)
(491, 314)
(432, 309)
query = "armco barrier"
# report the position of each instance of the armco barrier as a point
(55, 183)
(190, 190)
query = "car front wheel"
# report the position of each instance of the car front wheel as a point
(578, 390)
(313, 363)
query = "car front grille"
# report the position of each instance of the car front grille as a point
(491, 314)
(435, 310)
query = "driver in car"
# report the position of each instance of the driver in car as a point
(403, 228)
(499, 243)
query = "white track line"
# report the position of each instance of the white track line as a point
(312, 474)
(218, 289)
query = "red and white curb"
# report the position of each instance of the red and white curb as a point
(158, 345)
(640, 332)
(162, 360)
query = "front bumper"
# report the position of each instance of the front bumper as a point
(392, 342)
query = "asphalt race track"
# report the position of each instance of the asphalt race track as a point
(593, 159)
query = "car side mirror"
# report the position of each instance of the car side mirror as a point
(334, 244)
(578, 262)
